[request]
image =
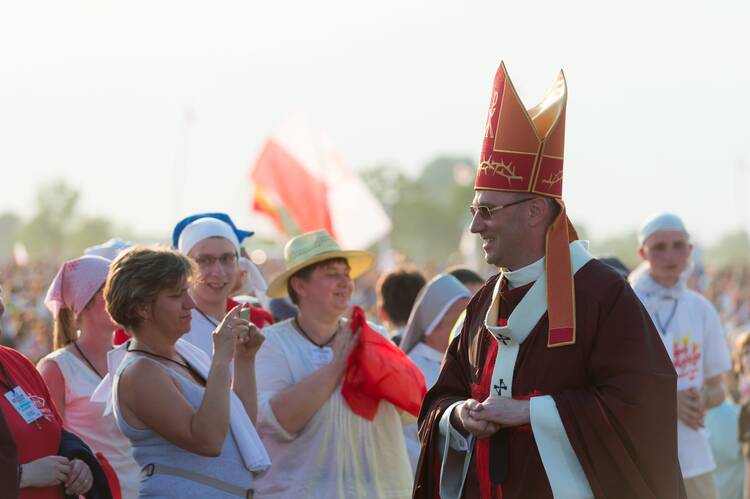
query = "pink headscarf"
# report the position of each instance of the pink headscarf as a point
(76, 283)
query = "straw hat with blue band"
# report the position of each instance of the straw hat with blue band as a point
(313, 247)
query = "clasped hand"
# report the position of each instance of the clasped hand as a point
(483, 419)
(49, 471)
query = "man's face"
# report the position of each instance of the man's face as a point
(501, 232)
(668, 252)
(328, 289)
(217, 270)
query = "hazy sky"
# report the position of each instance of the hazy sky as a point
(97, 92)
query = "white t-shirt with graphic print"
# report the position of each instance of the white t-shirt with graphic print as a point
(692, 334)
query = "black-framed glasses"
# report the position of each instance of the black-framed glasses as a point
(485, 212)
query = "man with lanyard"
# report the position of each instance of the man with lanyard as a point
(558, 385)
(213, 243)
(691, 331)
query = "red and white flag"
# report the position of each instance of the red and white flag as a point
(299, 173)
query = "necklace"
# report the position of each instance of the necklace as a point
(210, 320)
(80, 352)
(184, 365)
(663, 327)
(307, 337)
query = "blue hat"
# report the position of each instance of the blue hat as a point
(241, 234)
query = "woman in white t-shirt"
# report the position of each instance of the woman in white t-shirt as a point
(82, 338)
(319, 447)
(692, 334)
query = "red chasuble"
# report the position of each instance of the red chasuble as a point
(615, 391)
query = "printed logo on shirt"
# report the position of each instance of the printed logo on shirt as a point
(41, 404)
(687, 358)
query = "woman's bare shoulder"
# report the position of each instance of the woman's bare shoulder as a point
(143, 373)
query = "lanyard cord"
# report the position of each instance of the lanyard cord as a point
(75, 344)
(663, 327)
(211, 321)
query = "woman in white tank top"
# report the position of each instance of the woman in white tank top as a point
(82, 338)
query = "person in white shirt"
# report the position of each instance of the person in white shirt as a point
(213, 245)
(426, 335)
(320, 448)
(692, 334)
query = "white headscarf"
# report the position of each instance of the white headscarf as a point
(431, 305)
(203, 228)
(659, 222)
(255, 281)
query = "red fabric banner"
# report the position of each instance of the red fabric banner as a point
(378, 370)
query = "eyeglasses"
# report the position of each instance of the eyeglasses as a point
(485, 212)
(227, 260)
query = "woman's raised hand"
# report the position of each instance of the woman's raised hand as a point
(225, 335)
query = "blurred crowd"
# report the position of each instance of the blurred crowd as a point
(27, 324)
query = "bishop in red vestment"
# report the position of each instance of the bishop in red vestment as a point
(558, 385)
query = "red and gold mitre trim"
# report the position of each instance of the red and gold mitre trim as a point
(523, 149)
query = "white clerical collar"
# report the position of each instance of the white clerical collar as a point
(524, 275)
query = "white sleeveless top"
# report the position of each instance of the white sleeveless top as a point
(85, 418)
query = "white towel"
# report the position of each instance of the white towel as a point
(251, 448)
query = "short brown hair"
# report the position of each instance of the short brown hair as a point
(304, 274)
(398, 291)
(137, 276)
